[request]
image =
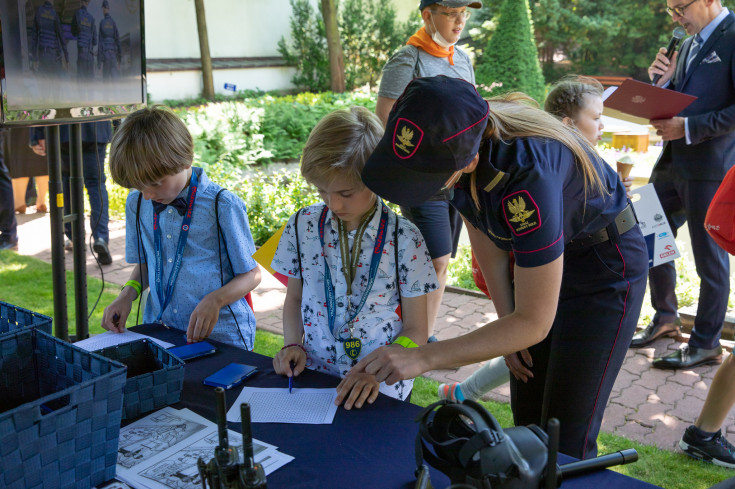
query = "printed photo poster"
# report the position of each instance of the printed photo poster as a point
(64, 54)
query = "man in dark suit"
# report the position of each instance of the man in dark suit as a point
(699, 149)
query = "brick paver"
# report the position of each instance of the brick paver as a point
(646, 405)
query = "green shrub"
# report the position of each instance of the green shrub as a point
(307, 49)
(369, 34)
(288, 120)
(218, 97)
(271, 197)
(510, 63)
(459, 271)
(226, 132)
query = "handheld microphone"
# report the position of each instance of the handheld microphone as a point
(678, 33)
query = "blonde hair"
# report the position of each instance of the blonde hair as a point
(567, 96)
(151, 144)
(517, 115)
(339, 145)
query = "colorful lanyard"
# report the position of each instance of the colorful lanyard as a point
(374, 262)
(351, 258)
(164, 299)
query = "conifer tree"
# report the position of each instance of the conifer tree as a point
(509, 62)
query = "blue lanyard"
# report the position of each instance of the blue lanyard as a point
(165, 298)
(374, 263)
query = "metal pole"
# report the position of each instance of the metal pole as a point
(76, 198)
(56, 197)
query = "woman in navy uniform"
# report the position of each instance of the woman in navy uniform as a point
(526, 183)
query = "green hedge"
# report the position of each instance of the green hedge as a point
(235, 140)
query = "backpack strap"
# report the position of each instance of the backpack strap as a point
(140, 249)
(298, 246)
(221, 240)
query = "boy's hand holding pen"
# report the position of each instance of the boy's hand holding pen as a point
(290, 361)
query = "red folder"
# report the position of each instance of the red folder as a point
(639, 102)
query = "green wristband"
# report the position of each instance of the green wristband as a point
(134, 284)
(405, 342)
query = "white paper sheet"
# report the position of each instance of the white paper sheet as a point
(103, 340)
(301, 406)
(150, 456)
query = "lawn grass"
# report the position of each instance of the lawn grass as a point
(26, 282)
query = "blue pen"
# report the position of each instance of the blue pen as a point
(290, 379)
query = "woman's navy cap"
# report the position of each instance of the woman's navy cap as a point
(451, 3)
(434, 129)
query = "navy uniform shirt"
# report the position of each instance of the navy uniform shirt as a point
(532, 198)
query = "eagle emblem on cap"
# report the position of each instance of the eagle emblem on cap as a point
(406, 138)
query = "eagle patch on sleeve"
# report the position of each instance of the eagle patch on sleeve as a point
(521, 212)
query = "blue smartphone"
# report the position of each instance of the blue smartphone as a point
(193, 350)
(230, 376)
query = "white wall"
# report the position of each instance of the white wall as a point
(186, 84)
(236, 28)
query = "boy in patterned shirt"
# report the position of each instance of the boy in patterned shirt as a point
(358, 274)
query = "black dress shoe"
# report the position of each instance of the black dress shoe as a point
(655, 330)
(103, 252)
(689, 356)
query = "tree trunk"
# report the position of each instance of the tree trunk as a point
(207, 78)
(334, 45)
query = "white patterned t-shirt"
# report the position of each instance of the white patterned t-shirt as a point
(377, 323)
